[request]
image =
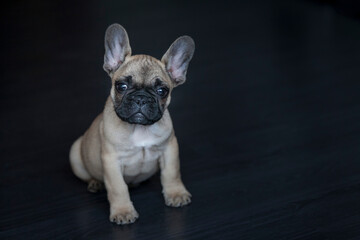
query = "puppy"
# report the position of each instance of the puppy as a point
(133, 137)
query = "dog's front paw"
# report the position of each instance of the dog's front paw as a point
(124, 215)
(177, 197)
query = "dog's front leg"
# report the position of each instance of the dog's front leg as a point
(122, 210)
(174, 191)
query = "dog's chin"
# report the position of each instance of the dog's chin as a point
(138, 118)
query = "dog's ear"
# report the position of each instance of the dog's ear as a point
(117, 48)
(177, 58)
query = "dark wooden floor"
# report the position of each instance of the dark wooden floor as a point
(268, 122)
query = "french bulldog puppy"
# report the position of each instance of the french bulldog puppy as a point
(133, 137)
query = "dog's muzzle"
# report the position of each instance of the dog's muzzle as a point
(139, 107)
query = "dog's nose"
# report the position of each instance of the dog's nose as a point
(141, 100)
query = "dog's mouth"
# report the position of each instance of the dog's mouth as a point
(144, 112)
(138, 118)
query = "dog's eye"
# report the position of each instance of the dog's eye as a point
(162, 92)
(121, 87)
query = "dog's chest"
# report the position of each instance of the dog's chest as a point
(140, 160)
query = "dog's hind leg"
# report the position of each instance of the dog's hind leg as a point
(76, 162)
(95, 186)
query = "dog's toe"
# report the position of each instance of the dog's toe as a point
(124, 216)
(177, 198)
(95, 186)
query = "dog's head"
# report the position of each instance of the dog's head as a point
(141, 84)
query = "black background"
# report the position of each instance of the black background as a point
(268, 121)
